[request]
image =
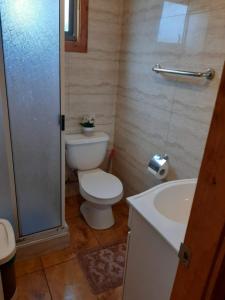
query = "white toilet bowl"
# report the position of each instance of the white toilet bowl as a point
(100, 189)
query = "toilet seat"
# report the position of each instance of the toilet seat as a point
(100, 187)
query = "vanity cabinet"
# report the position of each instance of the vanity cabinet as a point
(151, 262)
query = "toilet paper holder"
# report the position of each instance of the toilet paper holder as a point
(158, 165)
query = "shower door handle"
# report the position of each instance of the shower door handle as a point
(62, 122)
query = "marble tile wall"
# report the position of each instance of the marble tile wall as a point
(92, 78)
(157, 114)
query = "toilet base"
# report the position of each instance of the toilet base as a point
(97, 216)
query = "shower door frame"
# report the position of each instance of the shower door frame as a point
(62, 229)
(7, 137)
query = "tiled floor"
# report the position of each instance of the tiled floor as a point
(58, 275)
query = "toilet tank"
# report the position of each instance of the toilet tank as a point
(86, 153)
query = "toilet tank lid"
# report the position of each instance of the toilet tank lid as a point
(78, 139)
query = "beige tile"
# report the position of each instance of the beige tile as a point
(92, 79)
(205, 5)
(23, 267)
(143, 10)
(33, 287)
(186, 141)
(196, 100)
(204, 41)
(67, 281)
(141, 120)
(166, 114)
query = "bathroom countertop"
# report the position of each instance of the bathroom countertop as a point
(173, 232)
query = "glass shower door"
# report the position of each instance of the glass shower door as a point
(31, 43)
(7, 206)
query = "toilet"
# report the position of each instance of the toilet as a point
(100, 189)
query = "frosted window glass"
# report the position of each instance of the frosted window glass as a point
(31, 53)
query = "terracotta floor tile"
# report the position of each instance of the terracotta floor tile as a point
(57, 257)
(81, 236)
(114, 294)
(121, 208)
(114, 234)
(28, 266)
(67, 281)
(72, 208)
(64, 275)
(33, 287)
(71, 189)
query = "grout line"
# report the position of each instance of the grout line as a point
(50, 293)
(32, 272)
(60, 263)
(43, 270)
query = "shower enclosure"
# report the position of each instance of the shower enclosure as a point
(31, 129)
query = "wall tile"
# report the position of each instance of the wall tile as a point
(166, 114)
(92, 78)
(206, 5)
(153, 113)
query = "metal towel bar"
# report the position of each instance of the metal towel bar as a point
(209, 74)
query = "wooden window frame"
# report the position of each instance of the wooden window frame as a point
(81, 43)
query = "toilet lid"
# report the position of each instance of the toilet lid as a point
(100, 184)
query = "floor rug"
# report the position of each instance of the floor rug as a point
(104, 267)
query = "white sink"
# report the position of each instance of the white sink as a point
(167, 208)
(175, 201)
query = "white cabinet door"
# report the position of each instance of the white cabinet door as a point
(151, 263)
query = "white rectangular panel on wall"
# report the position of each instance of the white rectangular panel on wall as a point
(31, 43)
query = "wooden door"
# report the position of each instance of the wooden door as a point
(204, 277)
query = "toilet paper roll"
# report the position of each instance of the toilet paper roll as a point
(161, 173)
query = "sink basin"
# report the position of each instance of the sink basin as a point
(166, 207)
(175, 201)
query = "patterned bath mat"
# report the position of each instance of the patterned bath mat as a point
(104, 267)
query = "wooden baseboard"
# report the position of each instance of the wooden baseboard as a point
(43, 246)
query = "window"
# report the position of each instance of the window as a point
(70, 20)
(172, 23)
(76, 25)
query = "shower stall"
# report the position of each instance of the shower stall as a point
(31, 118)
